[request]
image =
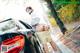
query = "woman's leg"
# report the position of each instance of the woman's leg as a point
(45, 48)
(55, 47)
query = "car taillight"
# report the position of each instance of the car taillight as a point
(14, 45)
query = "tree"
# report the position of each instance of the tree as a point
(68, 10)
(57, 19)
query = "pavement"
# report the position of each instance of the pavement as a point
(62, 47)
(56, 36)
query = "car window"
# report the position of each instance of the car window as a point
(7, 25)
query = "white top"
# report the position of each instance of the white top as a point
(37, 17)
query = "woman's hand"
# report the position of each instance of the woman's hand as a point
(42, 27)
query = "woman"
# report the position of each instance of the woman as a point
(43, 32)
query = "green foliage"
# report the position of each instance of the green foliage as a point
(68, 10)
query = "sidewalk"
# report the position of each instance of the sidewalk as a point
(63, 48)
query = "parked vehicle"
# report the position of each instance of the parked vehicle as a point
(11, 30)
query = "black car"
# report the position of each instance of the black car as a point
(11, 26)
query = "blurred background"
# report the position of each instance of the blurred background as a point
(63, 17)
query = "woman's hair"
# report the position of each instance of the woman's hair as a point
(29, 10)
(29, 7)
